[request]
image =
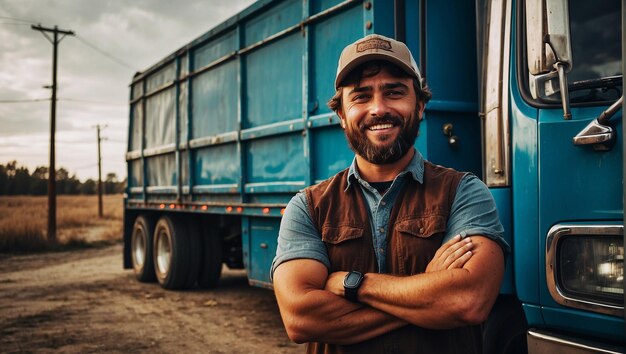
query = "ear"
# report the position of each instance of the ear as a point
(420, 107)
(342, 120)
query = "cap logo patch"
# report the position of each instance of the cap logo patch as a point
(374, 43)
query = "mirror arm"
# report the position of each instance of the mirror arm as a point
(609, 112)
(560, 68)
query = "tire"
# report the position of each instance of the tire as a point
(141, 249)
(211, 259)
(176, 254)
(504, 332)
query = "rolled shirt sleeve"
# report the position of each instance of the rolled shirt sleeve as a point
(474, 212)
(298, 237)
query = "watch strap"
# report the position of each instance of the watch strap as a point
(351, 294)
(351, 284)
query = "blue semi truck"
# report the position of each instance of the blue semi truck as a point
(527, 95)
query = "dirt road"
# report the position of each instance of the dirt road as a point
(84, 302)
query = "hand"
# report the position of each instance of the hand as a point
(452, 254)
(334, 283)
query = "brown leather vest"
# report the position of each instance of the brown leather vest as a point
(417, 223)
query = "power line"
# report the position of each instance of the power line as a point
(80, 38)
(78, 100)
(26, 100)
(15, 23)
(110, 56)
(18, 19)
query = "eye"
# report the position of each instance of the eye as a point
(394, 93)
(362, 97)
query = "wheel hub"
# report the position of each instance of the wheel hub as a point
(164, 253)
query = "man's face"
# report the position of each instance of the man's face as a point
(381, 117)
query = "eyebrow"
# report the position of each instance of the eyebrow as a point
(387, 86)
(393, 85)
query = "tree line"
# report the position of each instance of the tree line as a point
(17, 180)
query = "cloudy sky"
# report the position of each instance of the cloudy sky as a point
(114, 39)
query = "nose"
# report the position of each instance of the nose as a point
(378, 106)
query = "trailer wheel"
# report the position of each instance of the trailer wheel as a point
(141, 249)
(211, 259)
(176, 254)
(504, 332)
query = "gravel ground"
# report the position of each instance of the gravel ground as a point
(84, 302)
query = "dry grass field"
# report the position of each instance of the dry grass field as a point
(24, 222)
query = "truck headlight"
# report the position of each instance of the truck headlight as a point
(593, 267)
(585, 267)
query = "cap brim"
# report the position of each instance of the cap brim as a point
(369, 57)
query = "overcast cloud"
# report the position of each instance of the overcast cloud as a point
(92, 87)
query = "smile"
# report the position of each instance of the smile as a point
(380, 126)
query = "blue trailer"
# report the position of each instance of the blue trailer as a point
(526, 94)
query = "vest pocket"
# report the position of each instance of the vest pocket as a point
(422, 227)
(415, 242)
(338, 234)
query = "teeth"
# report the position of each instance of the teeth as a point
(381, 126)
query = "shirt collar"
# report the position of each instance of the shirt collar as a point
(415, 168)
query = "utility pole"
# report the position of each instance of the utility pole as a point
(99, 172)
(52, 191)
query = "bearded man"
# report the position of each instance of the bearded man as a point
(393, 254)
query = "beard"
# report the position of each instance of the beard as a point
(389, 151)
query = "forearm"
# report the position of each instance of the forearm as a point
(321, 316)
(311, 314)
(429, 300)
(441, 299)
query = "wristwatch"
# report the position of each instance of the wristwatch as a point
(351, 284)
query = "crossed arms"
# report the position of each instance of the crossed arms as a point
(458, 288)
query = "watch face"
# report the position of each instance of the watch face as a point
(353, 279)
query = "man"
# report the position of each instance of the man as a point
(379, 258)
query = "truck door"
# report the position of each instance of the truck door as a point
(573, 79)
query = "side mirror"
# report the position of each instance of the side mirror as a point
(549, 49)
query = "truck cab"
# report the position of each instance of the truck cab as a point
(553, 156)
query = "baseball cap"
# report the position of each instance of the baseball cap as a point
(376, 47)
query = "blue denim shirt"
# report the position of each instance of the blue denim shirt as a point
(473, 212)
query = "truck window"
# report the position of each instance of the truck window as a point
(595, 29)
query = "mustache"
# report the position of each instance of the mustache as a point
(385, 119)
